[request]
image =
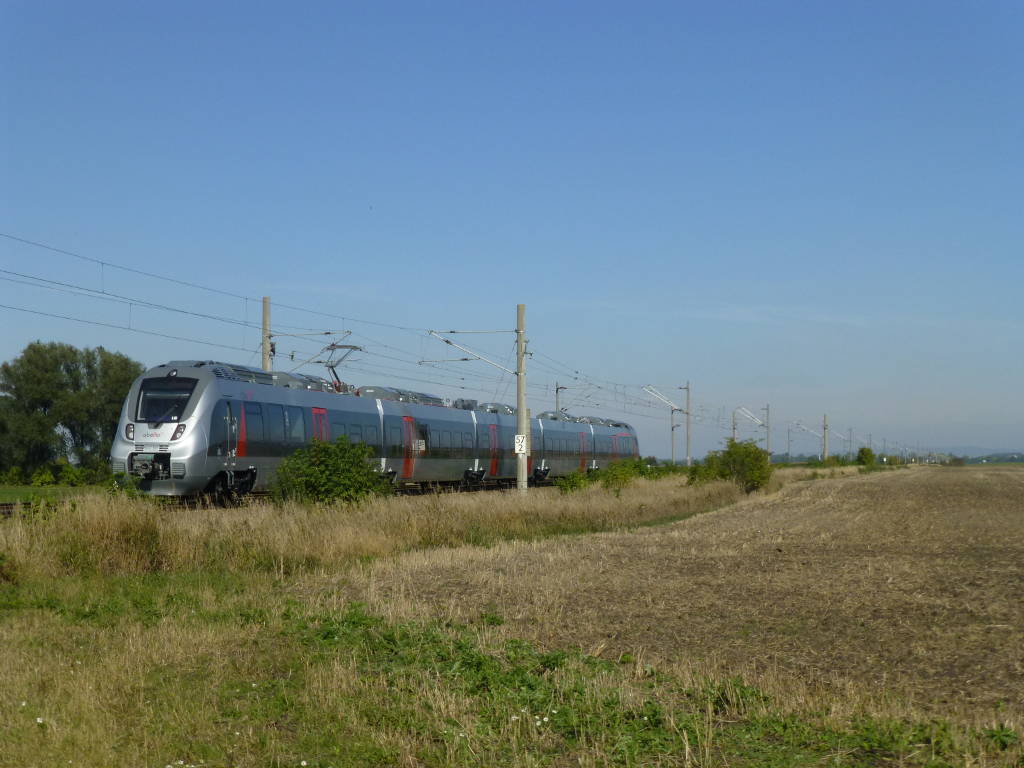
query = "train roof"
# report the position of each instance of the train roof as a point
(246, 373)
(252, 375)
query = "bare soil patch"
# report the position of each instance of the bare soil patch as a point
(905, 586)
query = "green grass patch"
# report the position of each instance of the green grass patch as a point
(226, 669)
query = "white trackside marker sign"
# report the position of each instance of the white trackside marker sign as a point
(520, 444)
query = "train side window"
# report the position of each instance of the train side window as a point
(395, 447)
(337, 425)
(371, 436)
(254, 427)
(467, 444)
(296, 424)
(273, 422)
(445, 443)
(219, 430)
(355, 433)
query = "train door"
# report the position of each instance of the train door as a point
(615, 447)
(531, 441)
(321, 427)
(408, 446)
(584, 450)
(492, 450)
(224, 435)
(231, 417)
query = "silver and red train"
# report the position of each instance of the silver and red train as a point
(191, 427)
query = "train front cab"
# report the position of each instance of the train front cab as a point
(161, 435)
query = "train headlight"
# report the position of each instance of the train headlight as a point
(129, 431)
(178, 432)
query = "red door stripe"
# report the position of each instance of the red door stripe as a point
(243, 444)
(408, 459)
(320, 429)
(494, 449)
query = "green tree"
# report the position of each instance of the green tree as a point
(747, 464)
(741, 461)
(57, 400)
(866, 457)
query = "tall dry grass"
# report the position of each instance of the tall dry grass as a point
(118, 535)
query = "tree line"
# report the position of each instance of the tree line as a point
(59, 408)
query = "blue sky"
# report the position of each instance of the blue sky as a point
(813, 205)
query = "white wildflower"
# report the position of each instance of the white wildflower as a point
(303, 763)
(39, 720)
(545, 719)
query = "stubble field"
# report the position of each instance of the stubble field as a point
(904, 586)
(853, 620)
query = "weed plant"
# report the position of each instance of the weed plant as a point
(618, 475)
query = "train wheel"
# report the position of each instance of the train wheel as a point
(219, 494)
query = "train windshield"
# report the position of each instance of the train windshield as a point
(164, 399)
